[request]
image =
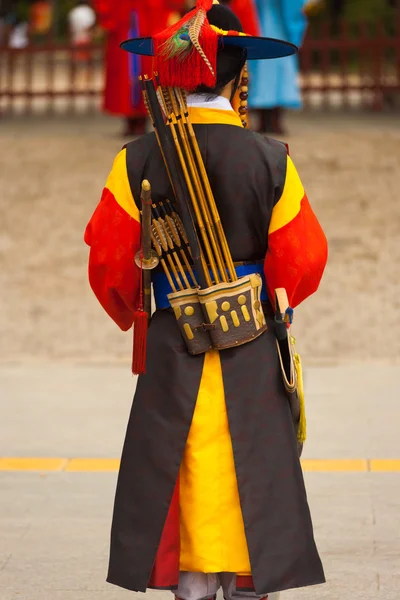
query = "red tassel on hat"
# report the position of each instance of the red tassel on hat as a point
(140, 326)
(186, 54)
(204, 5)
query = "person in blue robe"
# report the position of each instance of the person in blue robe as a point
(274, 85)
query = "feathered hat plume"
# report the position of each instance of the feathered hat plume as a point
(186, 54)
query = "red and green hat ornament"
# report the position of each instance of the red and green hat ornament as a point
(185, 55)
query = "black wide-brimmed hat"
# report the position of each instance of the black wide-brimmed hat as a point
(185, 55)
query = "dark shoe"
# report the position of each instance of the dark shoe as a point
(264, 120)
(134, 126)
(271, 121)
(277, 121)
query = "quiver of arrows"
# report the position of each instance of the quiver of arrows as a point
(170, 242)
(220, 316)
(232, 312)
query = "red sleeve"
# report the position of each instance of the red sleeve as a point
(113, 234)
(297, 247)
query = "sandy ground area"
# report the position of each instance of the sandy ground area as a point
(51, 177)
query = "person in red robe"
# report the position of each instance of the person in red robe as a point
(246, 11)
(123, 19)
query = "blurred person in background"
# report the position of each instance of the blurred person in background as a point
(81, 26)
(40, 19)
(246, 12)
(8, 19)
(314, 7)
(274, 85)
(81, 22)
(124, 19)
(19, 35)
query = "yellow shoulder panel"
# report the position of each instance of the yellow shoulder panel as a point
(206, 116)
(118, 184)
(290, 202)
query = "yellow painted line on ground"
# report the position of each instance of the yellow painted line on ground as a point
(388, 466)
(111, 465)
(32, 464)
(332, 465)
(92, 465)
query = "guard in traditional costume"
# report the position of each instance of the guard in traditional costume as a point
(210, 489)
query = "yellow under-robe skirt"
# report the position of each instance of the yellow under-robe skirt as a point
(212, 531)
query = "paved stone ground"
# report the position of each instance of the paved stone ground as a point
(52, 174)
(54, 526)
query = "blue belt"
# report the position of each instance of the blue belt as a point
(162, 288)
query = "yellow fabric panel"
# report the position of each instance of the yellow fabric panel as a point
(212, 531)
(118, 184)
(289, 204)
(204, 116)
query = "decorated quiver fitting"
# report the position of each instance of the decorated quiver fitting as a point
(234, 311)
(189, 316)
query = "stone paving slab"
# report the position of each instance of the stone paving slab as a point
(81, 411)
(54, 526)
(55, 530)
(52, 410)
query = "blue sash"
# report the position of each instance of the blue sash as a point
(162, 288)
